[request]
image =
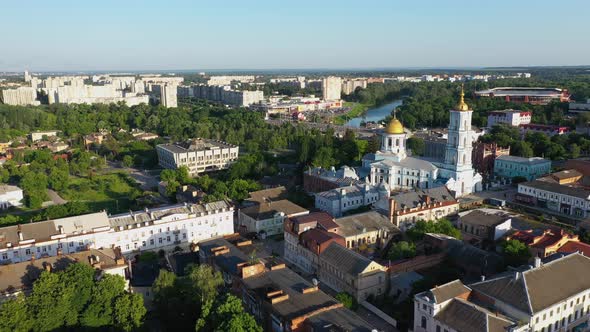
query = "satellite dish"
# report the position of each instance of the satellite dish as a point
(315, 281)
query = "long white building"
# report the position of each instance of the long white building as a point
(154, 229)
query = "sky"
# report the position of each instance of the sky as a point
(60, 35)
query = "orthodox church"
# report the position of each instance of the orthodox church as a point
(392, 168)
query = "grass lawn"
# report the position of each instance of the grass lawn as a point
(101, 188)
(356, 109)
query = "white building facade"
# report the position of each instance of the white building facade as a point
(457, 168)
(133, 232)
(199, 155)
(10, 196)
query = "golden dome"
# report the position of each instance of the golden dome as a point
(394, 127)
(462, 105)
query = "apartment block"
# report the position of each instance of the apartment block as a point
(199, 155)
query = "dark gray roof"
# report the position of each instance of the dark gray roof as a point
(227, 262)
(339, 320)
(463, 316)
(483, 218)
(411, 199)
(557, 188)
(298, 304)
(539, 288)
(347, 260)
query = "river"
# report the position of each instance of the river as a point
(375, 114)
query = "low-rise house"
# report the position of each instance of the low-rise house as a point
(278, 298)
(371, 230)
(535, 298)
(483, 227)
(318, 179)
(549, 130)
(306, 237)
(10, 196)
(142, 279)
(544, 243)
(545, 193)
(189, 194)
(19, 277)
(267, 218)
(41, 135)
(338, 201)
(447, 308)
(94, 138)
(345, 270)
(484, 156)
(528, 168)
(406, 209)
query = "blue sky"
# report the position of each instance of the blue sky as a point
(251, 34)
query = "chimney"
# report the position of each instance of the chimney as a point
(20, 235)
(427, 200)
(538, 262)
(61, 229)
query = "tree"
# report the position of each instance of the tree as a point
(127, 161)
(50, 303)
(229, 315)
(347, 300)
(58, 179)
(441, 226)
(515, 252)
(417, 145)
(324, 158)
(14, 315)
(100, 310)
(401, 250)
(129, 311)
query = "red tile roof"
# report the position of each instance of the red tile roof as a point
(573, 246)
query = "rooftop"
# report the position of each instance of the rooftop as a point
(448, 291)
(364, 222)
(197, 144)
(522, 91)
(167, 213)
(462, 315)
(349, 261)
(534, 290)
(413, 199)
(22, 275)
(6, 188)
(557, 188)
(268, 210)
(298, 304)
(485, 217)
(522, 160)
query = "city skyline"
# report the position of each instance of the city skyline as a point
(181, 35)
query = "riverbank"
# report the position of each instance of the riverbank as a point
(356, 110)
(373, 113)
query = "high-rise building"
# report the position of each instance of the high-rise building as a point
(331, 88)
